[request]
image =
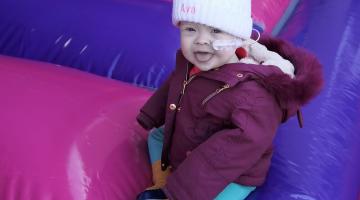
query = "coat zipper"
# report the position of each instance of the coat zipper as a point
(165, 153)
(186, 82)
(217, 91)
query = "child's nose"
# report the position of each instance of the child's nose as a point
(203, 39)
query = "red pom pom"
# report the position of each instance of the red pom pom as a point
(241, 52)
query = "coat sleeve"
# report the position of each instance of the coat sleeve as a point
(152, 114)
(228, 153)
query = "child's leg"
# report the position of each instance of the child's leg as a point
(155, 144)
(235, 192)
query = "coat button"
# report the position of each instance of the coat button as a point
(240, 75)
(172, 106)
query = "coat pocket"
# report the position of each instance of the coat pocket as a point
(206, 127)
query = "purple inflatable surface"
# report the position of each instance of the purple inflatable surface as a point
(129, 40)
(113, 38)
(322, 160)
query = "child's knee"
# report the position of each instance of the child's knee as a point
(155, 144)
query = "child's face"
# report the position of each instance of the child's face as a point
(196, 45)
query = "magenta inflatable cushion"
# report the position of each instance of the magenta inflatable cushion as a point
(67, 134)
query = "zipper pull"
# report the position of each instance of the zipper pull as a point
(186, 82)
(217, 91)
(226, 86)
(184, 86)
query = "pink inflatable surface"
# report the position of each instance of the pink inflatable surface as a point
(269, 12)
(67, 134)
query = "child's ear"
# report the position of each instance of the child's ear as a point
(241, 52)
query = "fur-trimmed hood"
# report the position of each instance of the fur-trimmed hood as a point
(308, 81)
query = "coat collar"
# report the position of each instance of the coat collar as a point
(235, 72)
(232, 73)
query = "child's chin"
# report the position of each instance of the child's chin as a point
(206, 68)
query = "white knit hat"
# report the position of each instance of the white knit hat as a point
(231, 16)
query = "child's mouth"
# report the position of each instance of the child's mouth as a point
(203, 56)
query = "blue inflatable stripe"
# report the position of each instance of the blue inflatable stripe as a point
(287, 14)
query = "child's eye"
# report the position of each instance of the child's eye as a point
(189, 29)
(215, 30)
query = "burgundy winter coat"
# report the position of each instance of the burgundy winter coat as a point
(227, 118)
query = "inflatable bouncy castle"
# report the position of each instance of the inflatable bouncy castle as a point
(73, 75)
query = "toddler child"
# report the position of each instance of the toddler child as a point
(214, 119)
